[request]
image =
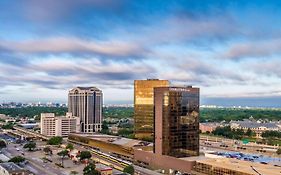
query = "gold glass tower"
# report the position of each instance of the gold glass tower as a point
(144, 107)
(176, 121)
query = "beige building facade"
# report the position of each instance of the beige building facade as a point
(86, 103)
(59, 126)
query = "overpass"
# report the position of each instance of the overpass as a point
(31, 133)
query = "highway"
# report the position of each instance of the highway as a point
(236, 145)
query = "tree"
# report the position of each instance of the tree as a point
(85, 155)
(47, 150)
(69, 146)
(278, 151)
(250, 133)
(2, 144)
(104, 128)
(62, 154)
(55, 140)
(31, 146)
(17, 159)
(125, 132)
(129, 169)
(90, 170)
(9, 125)
(273, 134)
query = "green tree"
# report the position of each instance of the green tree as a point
(125, 132)
(31, 146)
(17, 159)
(90, 170)
(62, 154)
(104, 128)
(229, 133)
(30, 112)
(47, 150)
(2, 144)
(84, 155)
(55, 140)
(9, 125)
(278, 151)
(272, 134)
(69, 146)
(129, 169)
(250, 133)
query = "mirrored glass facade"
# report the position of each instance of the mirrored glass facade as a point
(176, 121)
(144, 107)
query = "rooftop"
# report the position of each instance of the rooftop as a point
(251, 124)
(4, 158)
(115, 140)
(10, 166)
(242, 166)
(87, 88)
(84, 89)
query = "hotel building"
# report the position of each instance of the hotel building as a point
(86, 103)
(144, 107)
(59, 126)
(176, 121)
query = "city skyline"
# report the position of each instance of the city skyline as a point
(219, 46)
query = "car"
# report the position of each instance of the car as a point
(18, 149)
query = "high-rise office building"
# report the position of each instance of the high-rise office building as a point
(59, 126)
(143, 105)
(86, 103)
(176, 121)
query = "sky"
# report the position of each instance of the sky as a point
(230, 49)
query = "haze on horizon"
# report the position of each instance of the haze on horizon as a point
(230, 49)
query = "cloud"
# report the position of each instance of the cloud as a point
(202, 72)
(64, 74)
(41, 10)
(60, 45)
(267, 68)
(12, 59)
(254, 49)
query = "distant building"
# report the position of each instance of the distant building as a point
(208, 127)
(10, 168)
(86, 103)
(256, 126)
(59, 126)
(104, 170)
(29, 125)
(113, 129)
(7, 118)
(144, 107)
(176, 121)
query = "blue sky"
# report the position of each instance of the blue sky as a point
(230, 49)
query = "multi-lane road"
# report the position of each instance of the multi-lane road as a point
(235, 145)
(35, 164)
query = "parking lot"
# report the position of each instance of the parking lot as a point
(251, 157)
